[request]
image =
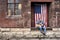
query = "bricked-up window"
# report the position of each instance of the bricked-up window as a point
(14, 7)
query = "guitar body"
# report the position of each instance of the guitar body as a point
(38, 25)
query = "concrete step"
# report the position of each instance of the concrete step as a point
(30, 34)
(39, 34)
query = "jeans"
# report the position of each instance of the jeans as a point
(43, 29)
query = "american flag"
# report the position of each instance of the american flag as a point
(40, 11)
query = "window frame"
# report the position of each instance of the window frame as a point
(14, 14)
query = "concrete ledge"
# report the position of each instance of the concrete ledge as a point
(19, 29)
(36, 33)
(49, 32)
(56, 29)
(14, 29)
(5, 29)
(9, 33)
(30, 34)
(22, 29)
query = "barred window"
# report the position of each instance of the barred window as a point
(14, 7)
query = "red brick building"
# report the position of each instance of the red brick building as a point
(19, 13)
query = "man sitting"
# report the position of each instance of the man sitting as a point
(42, 26)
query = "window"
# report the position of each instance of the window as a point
(14, 7)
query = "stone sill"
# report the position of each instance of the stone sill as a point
(26, 33)
(23, 29)
(14, 29)
(13, 17)
(30, 34)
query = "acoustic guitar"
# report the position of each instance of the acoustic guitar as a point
(38, 25)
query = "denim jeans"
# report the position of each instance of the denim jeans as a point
(43, 29)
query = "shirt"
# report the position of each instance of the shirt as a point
(39, 22)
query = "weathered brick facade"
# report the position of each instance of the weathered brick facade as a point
(54, 12)
(25, 19)
(22, 21)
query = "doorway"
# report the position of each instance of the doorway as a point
(38, 10)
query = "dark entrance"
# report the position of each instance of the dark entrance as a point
(39, 10)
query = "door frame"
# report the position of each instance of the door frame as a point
(32, 11)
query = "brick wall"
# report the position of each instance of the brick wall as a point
(54, 12)
(25, 19)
